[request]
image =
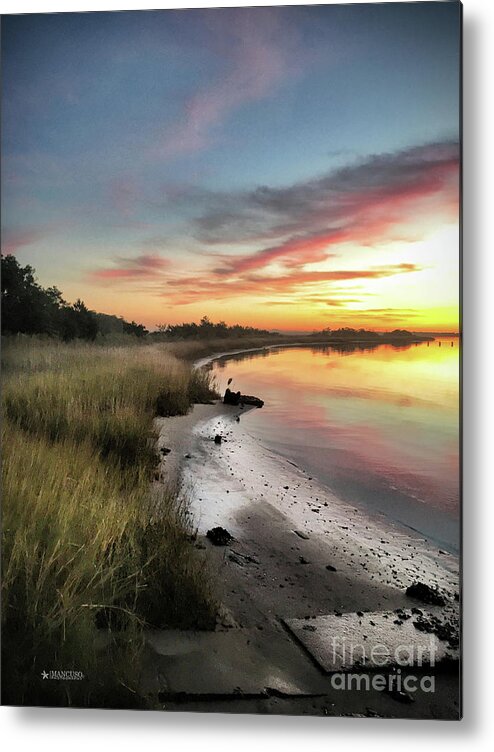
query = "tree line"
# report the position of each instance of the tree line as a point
(347, 333)
(206, 329)
(29, 308)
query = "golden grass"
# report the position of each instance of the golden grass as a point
(105, 395)
(86, 562)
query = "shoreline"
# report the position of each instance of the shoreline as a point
(303, 567)
(201, 362)
(299, 554)
(395, 523)
(387, 523)
(241, 455)
(224, 482)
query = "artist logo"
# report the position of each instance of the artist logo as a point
(62, 675)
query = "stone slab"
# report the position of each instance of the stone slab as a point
(232, 662)
(371, 641)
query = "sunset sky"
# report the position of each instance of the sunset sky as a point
(292, 168)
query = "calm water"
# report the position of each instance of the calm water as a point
(379, 427)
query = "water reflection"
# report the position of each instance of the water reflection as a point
(340, 347)
(376, 423)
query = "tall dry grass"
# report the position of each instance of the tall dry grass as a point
(106, 395)
(86, 561)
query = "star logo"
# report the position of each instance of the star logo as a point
(44, 674)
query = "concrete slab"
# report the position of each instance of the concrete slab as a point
(371, 641)
(246, 662)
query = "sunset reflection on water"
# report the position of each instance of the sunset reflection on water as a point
(378, 426)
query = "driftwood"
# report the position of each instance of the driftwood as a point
(236, 398)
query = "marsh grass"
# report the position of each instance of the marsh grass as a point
(105, 395)
(87, 558)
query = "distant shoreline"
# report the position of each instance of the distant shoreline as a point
(201, 362)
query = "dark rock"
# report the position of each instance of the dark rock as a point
(236, 398)
(445, 631)
(165, 450)
(330, 568)
(231, 398)
(218, 439)
(425, 593)
(245, 558)
(247, 399)
(219, 536)
(423, 625)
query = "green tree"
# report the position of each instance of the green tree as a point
(138, 330)
(26, 307)
(77, 321)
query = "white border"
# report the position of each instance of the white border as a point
(41, 729)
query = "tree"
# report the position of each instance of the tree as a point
(26, 307)
(77, 321)
(138, 330)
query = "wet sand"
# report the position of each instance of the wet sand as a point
(298, 552)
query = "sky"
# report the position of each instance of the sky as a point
(292, 168)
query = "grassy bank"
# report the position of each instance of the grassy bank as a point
(86, 562)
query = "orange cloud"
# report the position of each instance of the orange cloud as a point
(395, 198)
(189, 290)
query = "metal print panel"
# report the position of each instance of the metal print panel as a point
(231, 351)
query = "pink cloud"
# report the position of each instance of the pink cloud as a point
(380, 214)
(188, 290)
(14, 240)
(255, 57)
(386, 198)
(146, 266)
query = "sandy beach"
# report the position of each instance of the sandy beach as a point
(299, 559)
